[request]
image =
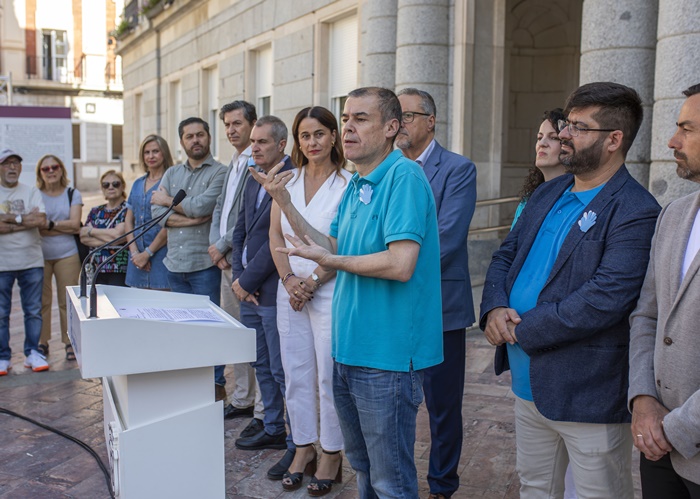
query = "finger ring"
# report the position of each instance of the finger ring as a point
(640, 435)
(296, 293)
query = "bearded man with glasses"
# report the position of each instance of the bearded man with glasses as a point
(557, 299)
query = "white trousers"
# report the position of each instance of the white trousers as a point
(305, 345)
(600, 456)
(245, 385)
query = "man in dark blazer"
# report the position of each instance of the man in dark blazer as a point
(664, 394)
(453, 181)
(557, 300)
(255, 282)
(239, 118)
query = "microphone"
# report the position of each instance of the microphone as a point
(177, 199)
(181, 194)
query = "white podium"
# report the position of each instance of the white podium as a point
(164, 432)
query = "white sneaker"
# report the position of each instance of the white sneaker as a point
(36, 362)
(4, 367)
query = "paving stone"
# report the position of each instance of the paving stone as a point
(35, 463)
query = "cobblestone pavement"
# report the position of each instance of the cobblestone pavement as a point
(37, 464)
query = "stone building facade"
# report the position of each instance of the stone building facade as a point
(493, 67)
(59, 54)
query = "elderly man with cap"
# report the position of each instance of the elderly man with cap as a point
(21, 215)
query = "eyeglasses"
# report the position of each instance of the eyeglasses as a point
(409, 116)
(115, 183)
(13, 163)
(574, 130)
(50, 168)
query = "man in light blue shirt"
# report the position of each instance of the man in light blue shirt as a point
(557, 299)
(387, 315)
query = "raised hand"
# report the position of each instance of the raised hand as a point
(274, 182)
(306, 248)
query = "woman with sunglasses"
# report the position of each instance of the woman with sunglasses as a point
(104, 223)
(64, 207)
(145, 268)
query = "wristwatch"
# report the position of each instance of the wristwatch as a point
(316, 279)
(18, 219)
(52, 224)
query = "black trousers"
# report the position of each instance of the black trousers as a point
(443, 386)
(660, 481)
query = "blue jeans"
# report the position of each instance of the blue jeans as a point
(377, 411)
(201, 282)
(268, 366)
(31, 282)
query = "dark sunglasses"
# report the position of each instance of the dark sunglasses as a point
(115, 183)
(50, 168)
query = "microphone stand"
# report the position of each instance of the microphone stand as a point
(147, 225)
(93, 289)
(83, 277)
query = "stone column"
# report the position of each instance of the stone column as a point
(378, 43)
(677, 68)
(422, 52)
(618, 43)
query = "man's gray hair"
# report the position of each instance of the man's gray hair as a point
(279, 129)
(426, 100)
(389, 105)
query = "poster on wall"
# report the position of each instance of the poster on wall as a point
(34, 131)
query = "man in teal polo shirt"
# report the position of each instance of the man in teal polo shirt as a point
(387, 319)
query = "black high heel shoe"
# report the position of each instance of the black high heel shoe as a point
(292, 481)
(321, 486)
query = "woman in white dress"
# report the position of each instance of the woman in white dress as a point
(304, 301)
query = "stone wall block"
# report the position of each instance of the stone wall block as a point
(665, 185)
(678, 17)
(622, 23)
(665, 116)
(420, 64)
(422, 24)
(379, 70)
(631, 67)
(678, 65)
(381, 33)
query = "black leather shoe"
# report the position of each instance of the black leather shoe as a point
(231, 412)
(263, 441)
(254, 427)
(279, 469)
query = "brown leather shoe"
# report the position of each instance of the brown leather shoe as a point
(220, 392)
(437, 496)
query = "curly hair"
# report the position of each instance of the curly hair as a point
(534, 176)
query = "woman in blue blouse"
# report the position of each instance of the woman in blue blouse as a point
(145, 268)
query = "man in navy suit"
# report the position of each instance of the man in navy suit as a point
(255, 284)
(453, 181)
(557, 300)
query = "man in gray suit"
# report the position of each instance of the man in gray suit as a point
(664, 393)
(453, 181)
(239, 117)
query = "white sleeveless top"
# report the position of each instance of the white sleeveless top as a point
(320, 212)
